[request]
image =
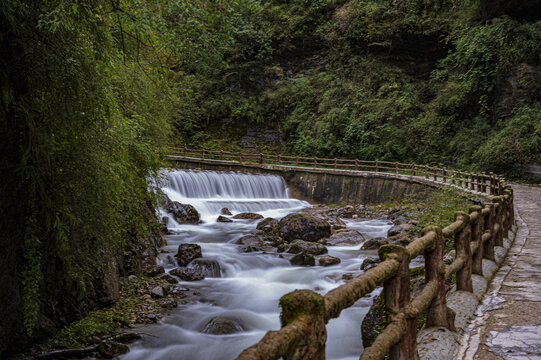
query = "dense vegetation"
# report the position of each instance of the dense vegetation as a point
(93, 92)
(455, 82)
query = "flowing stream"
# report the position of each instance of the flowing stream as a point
(251, 284)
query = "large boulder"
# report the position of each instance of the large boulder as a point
(267, 224)
(207, 267)
(248, 216)
(304, 227)
(187, 252)
(345, 238)
(183, 213)
(374, 321)
(187, 274)
(301, 246)
(222, 326)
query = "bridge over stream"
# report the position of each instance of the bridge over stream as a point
(482, 237)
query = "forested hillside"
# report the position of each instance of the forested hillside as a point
(94, 91)
(453, 82)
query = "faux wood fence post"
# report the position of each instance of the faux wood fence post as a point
(396, 167)
(498, 206)
(476, 233)
(426, 171)
(413, 169)
(510, 210)
(472, 185)
(279, 159)
(435, 174)
(311, 307)
(221, 154)
(377, 166)
(396, 292)
(315, 162)
(185, 151)
(444, 175)
(436, 314)
(462, 246)
(296, 161)
(492, 184)
(335, 160)
(260, 159)
(203, 154)
(356, 165)
(240, 157)
(488, 251)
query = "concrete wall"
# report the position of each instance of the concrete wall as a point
(321, 186)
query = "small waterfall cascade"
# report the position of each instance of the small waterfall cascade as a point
(210, 191)
(250, 283)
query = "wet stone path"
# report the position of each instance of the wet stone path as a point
(510, 328)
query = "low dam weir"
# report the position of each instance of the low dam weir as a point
(245, 297)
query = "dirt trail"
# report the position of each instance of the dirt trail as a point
(512, 331)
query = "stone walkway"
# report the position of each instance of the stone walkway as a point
(508, 325)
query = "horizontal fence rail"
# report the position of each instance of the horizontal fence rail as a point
(483, 183)
(475, 234)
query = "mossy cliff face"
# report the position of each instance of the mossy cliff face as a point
(60, 302)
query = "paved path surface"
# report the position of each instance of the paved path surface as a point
(510, 326)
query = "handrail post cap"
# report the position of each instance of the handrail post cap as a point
(392, 251)
(301, 302)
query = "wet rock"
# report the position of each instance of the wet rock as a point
(250, 240)
(111, 349)
(222, 326)
(374, 322)
(374, 244)
(225, 211)
(183, 213)
(347, 212)
(187, 274)
(328, 260)
(301, 246)
(267, 224)
(370, 263)
(347, 276)
(303, 259)
(304, 227)
(403, 228)
(152, 317)
(164, 228)
(249, 249)
(223, 219)
(187, 252)
(170, 279)
(345, 237)
(207, 267)
(248, 216)
(157, 292)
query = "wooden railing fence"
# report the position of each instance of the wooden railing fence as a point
(305, 313)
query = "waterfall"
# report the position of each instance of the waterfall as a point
(210, 191)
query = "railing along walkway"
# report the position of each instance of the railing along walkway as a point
(482, 183)
(305, 313)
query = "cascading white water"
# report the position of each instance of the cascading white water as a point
(210, 191)
(252, 283)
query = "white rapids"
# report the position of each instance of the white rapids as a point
(251, 284)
